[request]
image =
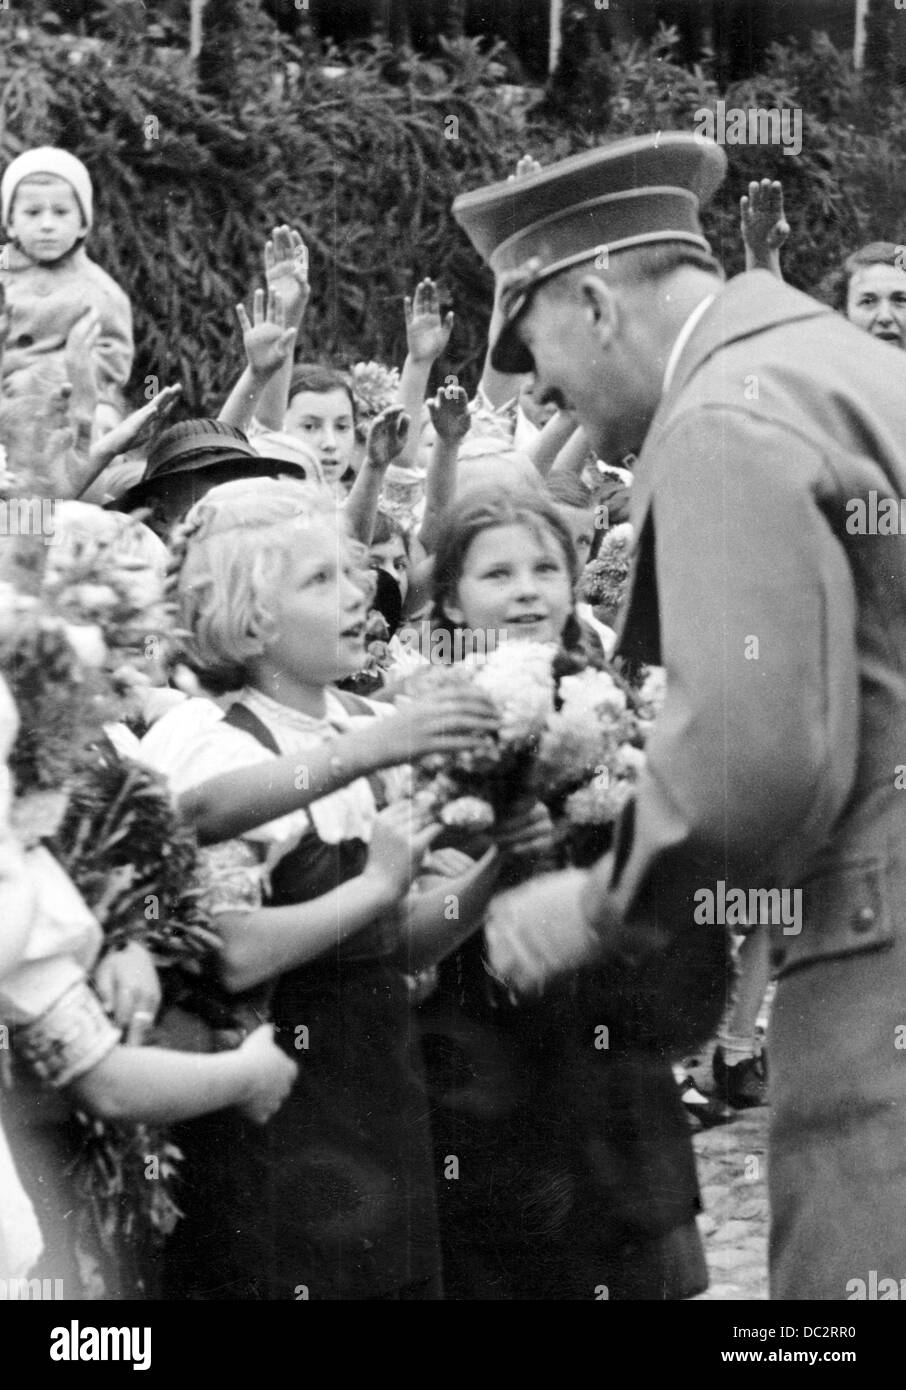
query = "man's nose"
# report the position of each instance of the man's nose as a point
(884, 314)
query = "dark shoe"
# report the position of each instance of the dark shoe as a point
(704, 1111)
(743, 1085)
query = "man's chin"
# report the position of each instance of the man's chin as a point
(618, 448)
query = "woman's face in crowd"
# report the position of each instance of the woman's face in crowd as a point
(514, 578)
(391, 556)
(876, 302)
(323, 419)
(319, 611)
(46, 219)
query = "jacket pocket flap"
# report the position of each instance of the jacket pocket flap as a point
(843, 911)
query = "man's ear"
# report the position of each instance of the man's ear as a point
(600, 303)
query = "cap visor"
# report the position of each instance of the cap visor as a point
(509, 354)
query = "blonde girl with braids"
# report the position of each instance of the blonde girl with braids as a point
(313, 906)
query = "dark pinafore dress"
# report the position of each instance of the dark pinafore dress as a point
(334, 1197)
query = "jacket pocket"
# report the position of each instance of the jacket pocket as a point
(844, 911)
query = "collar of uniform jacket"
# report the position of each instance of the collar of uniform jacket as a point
(732, 314)
(683, 337)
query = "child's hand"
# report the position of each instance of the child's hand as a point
(762, 221)
(401, 837)
(286, 270)
(136, 430)
(129, 989)
(427, 334)
(451, 723)
(449, 412)
(267, 341)
(271, 1075)
(527, 165)
(387, 436)
(527, 833)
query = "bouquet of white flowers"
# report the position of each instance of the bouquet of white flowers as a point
(469, 790)
(570, 736)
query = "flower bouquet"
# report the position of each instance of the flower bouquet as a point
(374, 387)
(469, 791)
(570, 735)
(603, 583)
(133, 861)
(109, 822)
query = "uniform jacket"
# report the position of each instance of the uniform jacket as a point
(774, 763)
(45, 302)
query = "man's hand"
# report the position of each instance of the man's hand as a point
(427, 334)
(387, 437)
(538, 931)
(267, 341)
(763, 224)
(286, 271)
(136, 430)
(449, 412)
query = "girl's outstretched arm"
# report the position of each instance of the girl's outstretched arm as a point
(233, 803)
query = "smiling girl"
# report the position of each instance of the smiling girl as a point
(574, 1161)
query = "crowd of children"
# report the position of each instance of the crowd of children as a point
(361, 1111)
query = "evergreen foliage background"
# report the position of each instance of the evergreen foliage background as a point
(192, 166)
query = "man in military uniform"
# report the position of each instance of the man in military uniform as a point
(769, 433)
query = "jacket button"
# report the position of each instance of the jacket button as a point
(778, 956)
(864, 919)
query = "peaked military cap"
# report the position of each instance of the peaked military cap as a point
(628, 193)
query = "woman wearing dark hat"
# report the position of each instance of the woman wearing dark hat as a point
(190, 458)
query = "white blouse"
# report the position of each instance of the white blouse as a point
(192, 743)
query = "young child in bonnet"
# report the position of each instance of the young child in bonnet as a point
(52, 288)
